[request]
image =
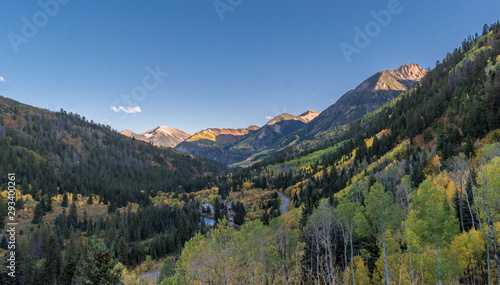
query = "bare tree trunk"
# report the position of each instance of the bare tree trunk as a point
(409, 256)
(439, 266)
(421, 271)
(345, 261)
(352, 261)
(495, 248)
(460, 208)
(488, 252)
(386, 263)
(490, 228)
(317, 260)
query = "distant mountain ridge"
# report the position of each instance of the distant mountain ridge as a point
(233, 145)
(366, 97)
(247, 145)
(160, 136)
(275, 129)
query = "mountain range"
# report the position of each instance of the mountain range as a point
(160, 136)
(249, 145)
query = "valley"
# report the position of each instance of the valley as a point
(397, 182)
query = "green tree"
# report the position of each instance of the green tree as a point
(239, 213)
(217, 211)
(385, 216)
(183, 233)
(167, 269)
(122, 251)
(52, 264)
(112, 207)
(38, 214)
(97, 266)
(4, 244)
(64, 202)
(70, 260)
(351, 221)
(90, 200)
(73, 216)
(433, 221)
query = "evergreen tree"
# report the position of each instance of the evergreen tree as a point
(90, 200)
(73, 216)
(217, 211)
(48, 206)
(265, 218)
(3, 212)
(64, 202)
(52, 264)
(183, 229)
(97, 265)
(470, 150)
(239, 213)
(20, 203)
(70, 261)
(38, 214)
(4, 244)
(122, 251)
(112, 208)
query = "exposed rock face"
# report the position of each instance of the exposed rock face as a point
(309, 115)
(161, 136)
(234, 145)
(366, 97)
(275, 129)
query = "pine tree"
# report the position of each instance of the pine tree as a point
(48, 206)
(97, 265)
(52, 264)
(112, 207)
(265, 218)
(90, 200)
(122, 251)
(470, 150)
(4, 244)
(70, 261)
(64, 202)
(183, 229)
(73, 216)
(240, 213)
(84, 222)
(20, 203)
(38, 214)
(217, 211)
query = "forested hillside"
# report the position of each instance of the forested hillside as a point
(53, 153)
(73, 176)
(409, 194)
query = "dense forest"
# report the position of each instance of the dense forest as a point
(52, 153)
(409, 194)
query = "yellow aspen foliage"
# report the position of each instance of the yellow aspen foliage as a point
(361, 272)
(465, 250)
(445, 183)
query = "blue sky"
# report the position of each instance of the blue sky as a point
(231, 67)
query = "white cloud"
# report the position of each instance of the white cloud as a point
(269, 117)
(128, 110)
(1, 79)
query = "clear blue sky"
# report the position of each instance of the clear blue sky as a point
(261, 59)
